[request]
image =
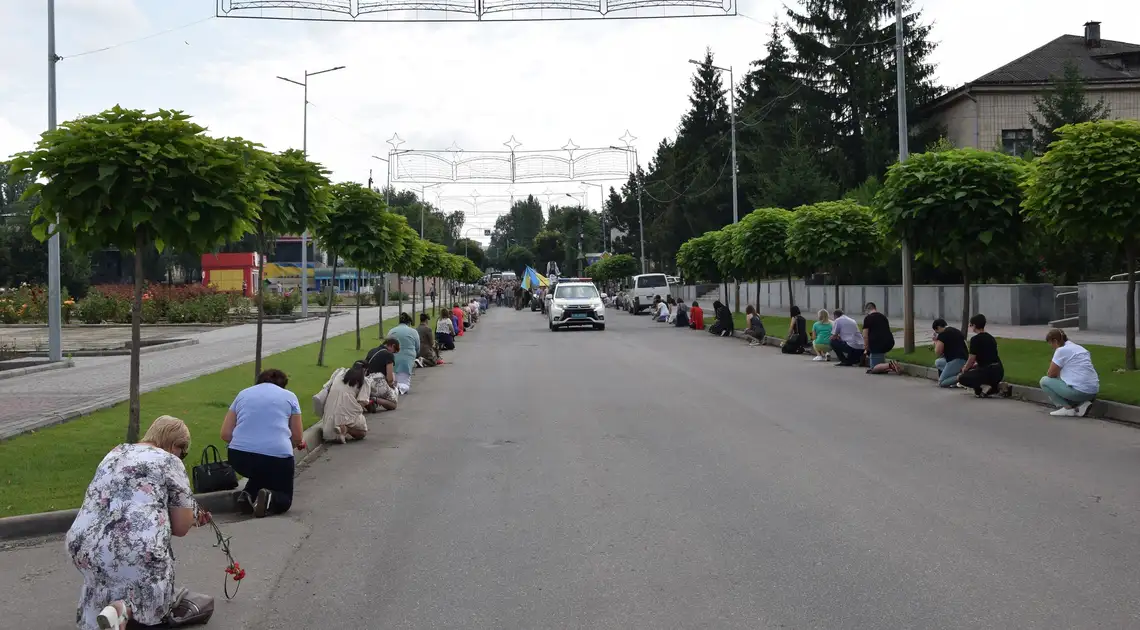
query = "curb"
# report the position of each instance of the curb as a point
(48, 523)
(1100, 409)
(35, 369)
(124, 352)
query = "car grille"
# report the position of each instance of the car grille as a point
(570, 311)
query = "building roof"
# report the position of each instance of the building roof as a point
(1099, 64)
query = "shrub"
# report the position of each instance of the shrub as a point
(398, 296)
(150, 312)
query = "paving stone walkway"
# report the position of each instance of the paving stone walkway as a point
(37, 400)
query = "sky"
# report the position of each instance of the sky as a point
(471, 85)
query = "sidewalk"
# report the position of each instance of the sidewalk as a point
(37, 400)
(922, 330)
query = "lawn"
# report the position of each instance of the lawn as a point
(50, 468)
(1026, 361)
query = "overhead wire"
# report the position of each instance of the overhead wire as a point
(137, 40)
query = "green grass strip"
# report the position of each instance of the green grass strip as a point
(50, 468)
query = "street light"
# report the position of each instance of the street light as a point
(580, 256)
(732, 128)
(305, 150)
(601, 208)
(387, 178)
(640, 186)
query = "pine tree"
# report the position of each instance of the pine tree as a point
(845, 57)
(1063, 104)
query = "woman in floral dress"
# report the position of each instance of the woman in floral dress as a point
(120, 540)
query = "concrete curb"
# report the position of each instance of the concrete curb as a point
(1100, 409)
(48, 523)
(123, 352)
(47, 367)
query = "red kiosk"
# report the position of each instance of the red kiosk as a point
(231, 272)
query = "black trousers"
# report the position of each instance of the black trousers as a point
(847, 355)
(262, 471)
(991, 375)
(445, 341)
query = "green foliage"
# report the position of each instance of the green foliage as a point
(451, 266)
(955, 205)
(413, 248)
(298, 195)
(759, 243)
(728, 259)
(1086, 189)
(470, 273)
(517, 259)
(124, 178)
(1066, 103)
(358, 229)
(431, 265)
(697, 258)
(548, 247)
(834, 236)
(472, 249)
(614, 268)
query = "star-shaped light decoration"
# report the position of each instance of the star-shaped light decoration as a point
(512, 144)
(455, 150)
(628, 138)
(396, 141)
(570, 147)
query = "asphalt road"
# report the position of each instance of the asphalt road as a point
(647, 477)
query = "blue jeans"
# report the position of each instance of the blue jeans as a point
(949, 371)
(1061, 394)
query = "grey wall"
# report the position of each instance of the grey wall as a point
(1016, 304)
(1103, 306)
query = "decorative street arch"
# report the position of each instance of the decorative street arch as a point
(471, 10)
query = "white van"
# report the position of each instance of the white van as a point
(643, 288)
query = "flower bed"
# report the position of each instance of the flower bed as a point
(111, 303)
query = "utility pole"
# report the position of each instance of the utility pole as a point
(55, 321)
(904, 153)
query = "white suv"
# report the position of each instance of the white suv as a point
(576, 302)
(642, 290)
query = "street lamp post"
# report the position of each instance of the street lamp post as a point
(305, 150)
(732, 131)
(601, 208)
(904, 153)
(581, 255)
(55, 304)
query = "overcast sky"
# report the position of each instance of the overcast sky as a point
(473, 84)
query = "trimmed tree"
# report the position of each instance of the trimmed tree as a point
(955, 207)
(297, 200)
(728, 259)
(832, 236)
(760, 244)
(1086, 188)
(407, 264)
(353, 231)
(451, 269)
(134, 180)
(431, 262)
(696, 258)
(390, 227)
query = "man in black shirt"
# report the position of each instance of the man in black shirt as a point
(983, 372)
(950, 348)
(879, 340)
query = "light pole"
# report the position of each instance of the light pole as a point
(904, 153)
(305, 150)
(640, 185)
(732, 130)
(55, 320)
(580, 255)
(423, 280)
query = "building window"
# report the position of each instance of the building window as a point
(1016, 141)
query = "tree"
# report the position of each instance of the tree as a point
(798, 178)
(133, 180)
(1063, 104)
(614, 268)
(520, 224)
(409, 263)
(297, 200)
(431, 265)
(472, 249)
(356, 230)
(548, 247)
(728, 260)
(760, 244)
(697, 258)
(518, 259)
(1084, 189)
(834, 236)
(957, 206)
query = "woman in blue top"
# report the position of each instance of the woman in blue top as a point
(262, 428)
(409, 339)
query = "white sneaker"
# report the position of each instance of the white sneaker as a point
(1067, 412)
(827, 356)
(1083, 408)
(818, 358)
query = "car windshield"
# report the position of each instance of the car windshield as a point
(576, 292)
(649, 282)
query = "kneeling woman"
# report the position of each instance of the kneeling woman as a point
(262, 428)
(349, 392)
(120, 540)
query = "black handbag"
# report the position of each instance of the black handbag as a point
(213, 475)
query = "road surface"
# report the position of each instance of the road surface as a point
(648, 477)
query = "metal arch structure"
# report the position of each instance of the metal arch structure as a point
(569, 164)
(471, 10)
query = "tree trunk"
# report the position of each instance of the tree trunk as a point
(434, 292)
(328, 313)
(400, 300)
(380, 301)
(965, 295)
(1130, 311)
(359, 298)
(736, 290)
(413, 298)
(135, 412)
(260, 306)
(423, 294)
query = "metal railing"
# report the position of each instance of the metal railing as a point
(1066, 305)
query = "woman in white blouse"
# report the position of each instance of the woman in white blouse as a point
(1071, 382)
